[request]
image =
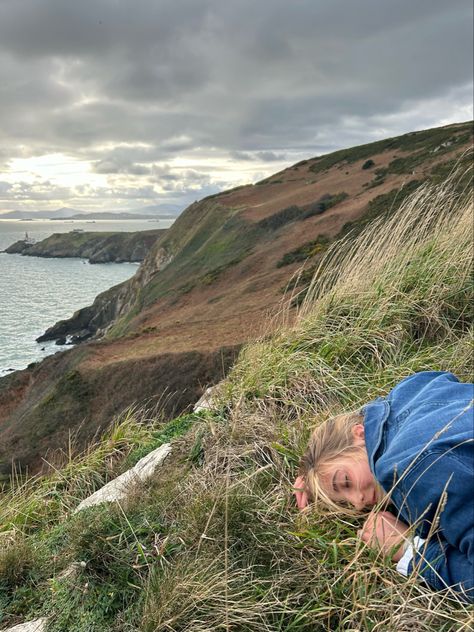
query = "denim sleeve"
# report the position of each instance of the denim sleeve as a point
(447, 558)
(443, 566)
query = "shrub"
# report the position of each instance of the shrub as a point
(280, 218)
(306, 251)
(324, 203)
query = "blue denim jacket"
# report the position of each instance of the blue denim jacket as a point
(420, 445)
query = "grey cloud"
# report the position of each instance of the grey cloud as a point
(109, 167)
(132, 87)
(270, 156)
(242, 155)
(5, 188)
(93, 27)
(25, 191)
(180, 180)
(264, 156)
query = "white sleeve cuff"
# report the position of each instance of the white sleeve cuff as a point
(402, 566)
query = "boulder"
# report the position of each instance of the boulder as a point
(37, 625)
(118, 488)
(208, 400)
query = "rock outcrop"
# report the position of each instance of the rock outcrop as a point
(37, 625)
(118, 488)
(110, 305)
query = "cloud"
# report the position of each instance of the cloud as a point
(179, 92)
(109, 166)
(264, 156)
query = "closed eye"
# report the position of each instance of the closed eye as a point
(340, 481)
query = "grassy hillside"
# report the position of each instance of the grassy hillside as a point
(215, 542)
(214, 281)
(216, 234)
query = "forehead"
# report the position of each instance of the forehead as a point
(340, 462)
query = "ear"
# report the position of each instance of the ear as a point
(358, 434)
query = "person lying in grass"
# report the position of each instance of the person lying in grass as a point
(411, 452)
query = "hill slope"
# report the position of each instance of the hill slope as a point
(213, 282)
(213, 541)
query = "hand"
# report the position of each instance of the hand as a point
(301, 496)
(383, 531)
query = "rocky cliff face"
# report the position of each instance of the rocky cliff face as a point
(108, 306)
(97, 247)
(214, 281)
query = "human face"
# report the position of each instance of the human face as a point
(349, 479)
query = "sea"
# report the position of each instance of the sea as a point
(36, 292)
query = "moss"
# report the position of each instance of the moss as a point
(440, 172)
(171, 430)
(294, 213)
(69, 396)
(210, 277)
(24, 565)
(116, 550)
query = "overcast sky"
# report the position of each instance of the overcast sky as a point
(114, 104)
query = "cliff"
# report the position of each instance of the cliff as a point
(97, 247)
(216, 280)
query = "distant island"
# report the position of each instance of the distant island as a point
(97, 247)
(156, 212)
(106, 215)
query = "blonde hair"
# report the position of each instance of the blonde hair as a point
(330, 440)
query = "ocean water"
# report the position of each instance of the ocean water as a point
(36, 292)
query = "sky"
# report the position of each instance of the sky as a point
(116, 105)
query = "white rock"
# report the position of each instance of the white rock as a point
(71, 570)
(206, 402)
(38, 625)
(118, 488)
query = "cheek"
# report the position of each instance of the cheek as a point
(370, 478)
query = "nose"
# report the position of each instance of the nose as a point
(358, 500)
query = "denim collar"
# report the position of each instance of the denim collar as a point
(375, 415)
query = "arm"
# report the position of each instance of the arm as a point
(447, 558)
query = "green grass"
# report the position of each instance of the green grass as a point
(214, 540)
(425, 142)
(382, 205)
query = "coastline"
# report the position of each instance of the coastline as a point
(96, 247)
